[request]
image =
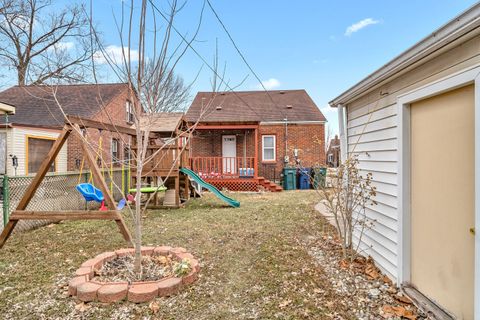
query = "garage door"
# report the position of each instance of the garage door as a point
(442, 195)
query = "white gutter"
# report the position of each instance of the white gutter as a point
(6, 108)
(291, 122)
(343, 136)
(453, 30)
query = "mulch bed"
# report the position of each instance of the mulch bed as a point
(121, 269)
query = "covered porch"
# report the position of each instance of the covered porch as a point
(227, 155)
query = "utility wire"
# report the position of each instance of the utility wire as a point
(242, 55)
(203, 59)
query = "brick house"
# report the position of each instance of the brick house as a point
(38, 120)
(244, 138)
(333, 152)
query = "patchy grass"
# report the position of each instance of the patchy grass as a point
(253, 263)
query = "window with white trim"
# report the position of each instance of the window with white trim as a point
(129, 111)
(127, 155)
(330, 157)
(268, 148)
(115, 147)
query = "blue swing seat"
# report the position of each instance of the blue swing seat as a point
(89, 192)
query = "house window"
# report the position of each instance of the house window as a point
(129, 111)
(268, 148)
(127, 154)
(330, 157)
(37, 151)
(115, 154)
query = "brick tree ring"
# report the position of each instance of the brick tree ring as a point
(86, 289)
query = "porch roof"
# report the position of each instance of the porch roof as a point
(226, 126)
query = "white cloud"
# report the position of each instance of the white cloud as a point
(328, 110)
(269, 84)
(360, 25)
(64, 45)
(114, 54)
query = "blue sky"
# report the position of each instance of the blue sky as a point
(300, 44)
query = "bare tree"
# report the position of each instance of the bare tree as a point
(164, 91)
(44, 46)
(351, 193)
(149, 72)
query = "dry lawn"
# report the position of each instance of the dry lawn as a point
(253, 263)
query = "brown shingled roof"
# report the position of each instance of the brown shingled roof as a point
(254, 106)
(36, 106)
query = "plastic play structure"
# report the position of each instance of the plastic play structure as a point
(90, 193)
(148, 189)
(211, 188)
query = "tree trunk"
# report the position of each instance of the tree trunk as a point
(21, 74)
(138, 211)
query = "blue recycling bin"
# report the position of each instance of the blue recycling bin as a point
(304, 178)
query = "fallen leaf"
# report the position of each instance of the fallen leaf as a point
(82, 307)
(154, 306)
(387, 280)
(390, 311)
(392, 290)
(344, 264)
(284, 303)
(372, 271)
(400, 297)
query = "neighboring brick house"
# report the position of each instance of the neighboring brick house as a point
(244, 136)
(38, 121)
(333, 152)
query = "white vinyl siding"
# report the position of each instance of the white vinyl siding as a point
(16, 145)
(373, 137)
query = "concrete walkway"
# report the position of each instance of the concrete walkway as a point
(322, 208)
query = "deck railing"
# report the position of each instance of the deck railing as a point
(224, 167)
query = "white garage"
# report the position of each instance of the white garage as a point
(415, 125)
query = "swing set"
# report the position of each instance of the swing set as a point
(89, 191)
(95, 190)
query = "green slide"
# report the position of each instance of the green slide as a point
(215, 191)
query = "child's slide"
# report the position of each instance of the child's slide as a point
(208, 186)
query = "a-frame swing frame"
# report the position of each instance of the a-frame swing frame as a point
(21, 214)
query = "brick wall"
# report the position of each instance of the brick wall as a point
(115, 113)
(334, 150)
(307, 138)
(207, 143)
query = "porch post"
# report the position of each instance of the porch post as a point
(255, 165)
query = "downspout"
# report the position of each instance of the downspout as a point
(343, 136)
(286, 142)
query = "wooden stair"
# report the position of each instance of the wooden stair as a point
(268, 185)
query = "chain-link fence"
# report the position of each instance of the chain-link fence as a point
(56, 193)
